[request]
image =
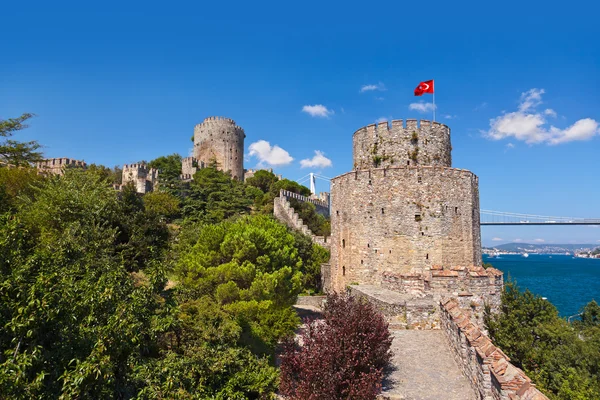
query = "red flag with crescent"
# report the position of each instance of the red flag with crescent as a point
(424, 87)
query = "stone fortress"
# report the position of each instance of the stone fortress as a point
(56, 166)
(403, 210)
(220, 140)
(216, 140)
(405, 236)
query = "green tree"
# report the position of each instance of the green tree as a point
(162, 204)
(114, 175)
(561, 358)
(213, 197)
(13, 152)
(169, 169)
(73, 321)
(263, 180)
(15, 183)
(251, 267)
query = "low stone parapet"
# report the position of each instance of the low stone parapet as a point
(489, 370)
(402, 311)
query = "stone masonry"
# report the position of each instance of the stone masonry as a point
(284, 212)
(145, 179)
(402, 217)
(56, 166)
(218, 139)
(491, 374)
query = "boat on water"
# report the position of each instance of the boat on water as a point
(525, 255)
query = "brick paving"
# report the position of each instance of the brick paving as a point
(425, 369)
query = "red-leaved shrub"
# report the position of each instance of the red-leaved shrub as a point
(342, 356)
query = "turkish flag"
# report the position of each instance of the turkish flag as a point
(424, 87)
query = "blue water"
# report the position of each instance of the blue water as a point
(569, 283)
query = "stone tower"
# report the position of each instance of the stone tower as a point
(404, 209)
(220, 139)
(145, 179)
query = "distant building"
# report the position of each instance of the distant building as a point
(56, 166)
(217, 140)
(145, 179)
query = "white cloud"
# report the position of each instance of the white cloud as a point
(497, 239)
(318, 161)
(550, 112)
(530, 126)
(267, 154)
(369, 88)
(381, 119)
(539, 240)
(531, 99)
(421, 107)
(380, 98)
(510, 145)
(318, 110)
(449, 116)
(517, 240)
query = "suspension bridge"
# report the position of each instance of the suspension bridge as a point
(488, 217)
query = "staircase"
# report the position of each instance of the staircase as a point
(284, 212)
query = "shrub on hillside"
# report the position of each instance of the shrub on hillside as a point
(342, 356)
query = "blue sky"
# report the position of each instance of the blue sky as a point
(118, 82)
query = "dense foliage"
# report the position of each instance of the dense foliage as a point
(562, 358)
(169, 169)
(100, 299)
(342, 356)
(13, 152)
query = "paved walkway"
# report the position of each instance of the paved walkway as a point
(425, 369)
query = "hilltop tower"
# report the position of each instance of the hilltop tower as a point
(220, 139)
(403, 210)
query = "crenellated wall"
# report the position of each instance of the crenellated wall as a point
(321, 206)
(220, 139)
(57, 166)
(487, 367)
(284, 212)
(417, 143)
(402, 220)
(145, 179)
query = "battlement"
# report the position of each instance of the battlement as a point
(138, 166)
(287, 194)
(412, 124)
(220, 121)
(56, 165)
(410, 142)
(145, 179)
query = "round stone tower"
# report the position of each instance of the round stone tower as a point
(403, 209)
(379, 145)
(220, 140)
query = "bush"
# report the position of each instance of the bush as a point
(342, 356)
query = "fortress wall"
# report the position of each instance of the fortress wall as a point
(220, 139)
(57, 165)
(489, 370)
(417, 143)
(321, 206)
(403, 221)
